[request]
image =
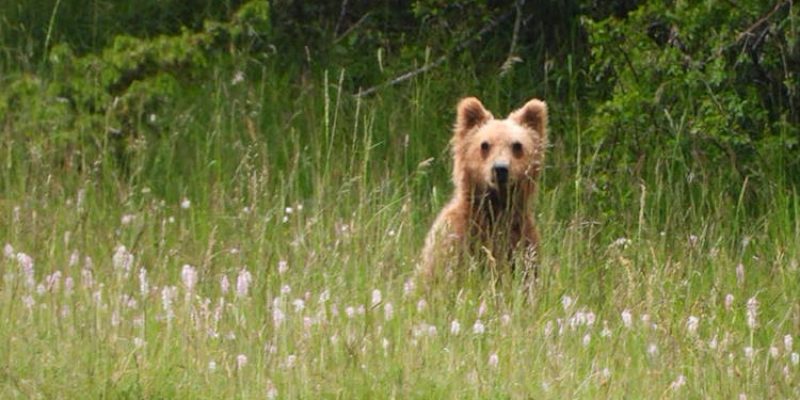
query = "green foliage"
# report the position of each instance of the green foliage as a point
(110, 101)
(715, 81)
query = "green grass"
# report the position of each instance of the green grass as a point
(362, 199)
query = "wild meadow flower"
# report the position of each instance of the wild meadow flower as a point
(168, 294)
(144, 287)
(286, 289)
(605, 332)
(430, 330)
(421, 304)
(621, 243)
(494, 360)
(241, 361)
(587, 338)
(787, 343)
(678, 383)
(712, 344)
(122, 259)
(505, 319)
(28, 302)
(740, 273)
(283, 266)
(774, 352)
(238, 77)
(752, 312)
(692, 324)
(272, 391)
(376, 297)
(350, 311)
(299, 305)
(693, 240)
(8, 251)
(324, 296)
(290, 360)
(455, 327)
(478, 328)
(795, 358)
(53, 281)
(566, 302)
(408, 287)
(138, 342)
(243, 283)
(627, 318)
(388, 311)
(652, 349)
(224, 284)
(212, 366)
(185, 203)
(548, 328)
(126, 219)
(26, 263)
(69, 285)
(749, 352)
(189, 277)
(728, 301)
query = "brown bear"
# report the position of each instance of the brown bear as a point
(496, 163)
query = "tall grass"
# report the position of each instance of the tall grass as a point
(312, 205)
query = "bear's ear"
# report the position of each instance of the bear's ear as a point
(470, 114)
(532, 115)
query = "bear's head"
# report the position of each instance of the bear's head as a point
(498, 155)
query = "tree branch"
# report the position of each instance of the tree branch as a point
(442, 59)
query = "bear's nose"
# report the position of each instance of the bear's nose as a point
(500, 172)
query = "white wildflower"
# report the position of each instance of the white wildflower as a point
(224, 284)
(455, 327)
(376, 297)
(8, 251)
(566, 302)
(144, 287)
(749, 352)
(283, 266)
(728, 301)
(243, 283)
(241, 361)
(189, 277)
(787, 343)
(122, 259)
(494, 360)
(478, 328)
(627, 318)
(324, 296)
(678, 383)
(692, 324)
(752, 312)
(388, 311)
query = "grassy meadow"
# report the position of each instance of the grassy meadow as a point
(263, 245)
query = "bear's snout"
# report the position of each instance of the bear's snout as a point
(500, 172)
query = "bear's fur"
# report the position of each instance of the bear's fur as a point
(489, 214)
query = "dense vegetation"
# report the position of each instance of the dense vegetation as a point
(227, 198)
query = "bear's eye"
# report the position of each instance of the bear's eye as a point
(485, 146)
(516, 147)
